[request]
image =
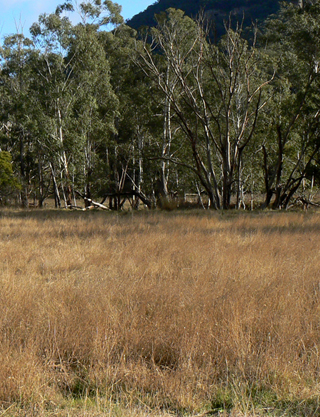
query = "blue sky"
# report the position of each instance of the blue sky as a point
(22, 13)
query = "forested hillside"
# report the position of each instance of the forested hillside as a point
(216, 10)
(92, 116)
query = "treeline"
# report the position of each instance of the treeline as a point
(109, 115)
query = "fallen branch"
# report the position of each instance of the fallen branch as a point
(72, 207)
(307, 202)
(92, 204)
(95, 204)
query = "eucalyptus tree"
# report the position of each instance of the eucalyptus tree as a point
(217, 93)
(293, 141)
(96, 104)
(56, 91)
(74, 90)
(16, 102)
(174, 29)
(8, 182)
(130, 168)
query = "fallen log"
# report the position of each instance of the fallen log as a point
(92, 204)
(124, 194)
(95, 204)
(306, 202)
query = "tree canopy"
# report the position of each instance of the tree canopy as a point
(100, 112)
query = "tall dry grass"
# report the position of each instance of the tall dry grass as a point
(171, 311)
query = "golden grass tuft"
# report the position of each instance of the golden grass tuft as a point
(174, 311)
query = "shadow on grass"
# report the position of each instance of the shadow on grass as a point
(262, 400)
(239, 222)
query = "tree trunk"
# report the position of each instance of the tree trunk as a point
(239, 182)
(57, 199)
(278, 187)
(41, 184)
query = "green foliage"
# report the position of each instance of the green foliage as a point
(103, 112)
(8, 182)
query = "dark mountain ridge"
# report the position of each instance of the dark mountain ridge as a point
(217, 10)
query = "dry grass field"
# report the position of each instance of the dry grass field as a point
(159, 314)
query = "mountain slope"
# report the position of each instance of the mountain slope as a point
(218, 10)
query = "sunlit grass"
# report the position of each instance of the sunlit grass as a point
(175, 311)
